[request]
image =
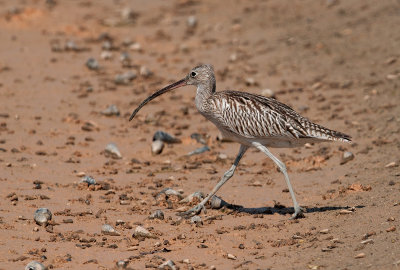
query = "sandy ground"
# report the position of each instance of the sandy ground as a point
(336, 62)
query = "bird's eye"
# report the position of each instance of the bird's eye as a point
(193, 74)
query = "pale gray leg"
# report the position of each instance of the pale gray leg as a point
(297, 210)
(227, 175)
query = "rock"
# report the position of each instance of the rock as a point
(92, 64)
(113, 151)
(109, 230)
(141, 232)
(165, 137)
(34, 265)
(106, 55)
(250, 81)
(391, 165)
(168, 265)
(125, 78)
(346, 157)
(122, 264)
(89, 180)
(157, 147)
(191, 21)
(198, 194)
(111, 110)
(196, 220)
(199, 150)
(42, 216)
(145, 72)
(359, 255)
(268, 93)
(198, 137)
(324, 231)
(231, 256)
(158, 214)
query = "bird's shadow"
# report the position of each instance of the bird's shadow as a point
(282, 210)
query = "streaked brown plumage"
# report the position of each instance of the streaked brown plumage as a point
(251, 120)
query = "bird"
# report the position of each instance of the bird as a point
(251, 120)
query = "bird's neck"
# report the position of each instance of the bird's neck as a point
(204, 92)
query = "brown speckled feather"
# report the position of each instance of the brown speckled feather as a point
(255, 116)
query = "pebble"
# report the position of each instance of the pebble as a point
(109, 230)
(135, 46)
(88, 179)
(346, 157)
(367, 241)
(92, 64)
(111, 110)
(360, 255)
(198, 194)
(157, 147)
(158, 214)
(192, 21)
(250, 81)
(106, 55)
(170, 265)
(122, 264)
(113, 150)
(198, 137)
(34, 265)
(125, 78)
(324, 231)
(231, 256)
(42, 216)
(142, 232)
(145, 72)
(391, 165)
(165, 137)
(391, 229)
(196, 220)
(268, 93)
(199, 150)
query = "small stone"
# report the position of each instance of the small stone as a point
(157, 147)
(192, 21)
(250, 81)
(145, 72)
(368, 241)
(391, 165)
(391, 229)
(158, 214)
(42, 216)
(125, 78)
(122, 264)
(344, 212)
(92, 64)
(346, 157)
(165, 137)
(34, 265)
(196, 220)
(142, 232)
(88, 179)
(168, 265)
(324, 231)
(231, 256)
(135, 46)
(106, 55)
(113, 151)
(111, 111)
(268, 93)
(199, 150)
(222, 156)
(109, 230)
(196, 195)
(360, 255)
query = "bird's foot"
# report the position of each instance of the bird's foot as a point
(298, 212)
(194, 211)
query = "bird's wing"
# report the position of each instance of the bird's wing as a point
(255, 116)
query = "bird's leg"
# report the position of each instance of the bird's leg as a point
(298, 211)
(227, 175)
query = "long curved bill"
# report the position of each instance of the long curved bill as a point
(158, 93)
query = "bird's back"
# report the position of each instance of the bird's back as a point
(244, 116)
